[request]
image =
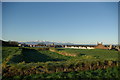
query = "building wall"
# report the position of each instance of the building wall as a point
(100, 46)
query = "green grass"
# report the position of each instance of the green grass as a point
(33, 55)
(16, 55)
(9, 52)
(96, 53)
(109, 73)
(16, 60)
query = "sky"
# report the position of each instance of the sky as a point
(75, 22)
(60, 0)
(0, 20)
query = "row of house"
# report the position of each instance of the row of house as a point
(79, 47)
(98, 46)
(38, 45)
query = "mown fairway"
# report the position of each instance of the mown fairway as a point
(20, 63)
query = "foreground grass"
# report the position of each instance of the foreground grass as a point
(109, 73)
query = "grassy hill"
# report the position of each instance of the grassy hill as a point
(96, 53)
(9, 52)
(41, 63)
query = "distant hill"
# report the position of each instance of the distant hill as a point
(47, 42)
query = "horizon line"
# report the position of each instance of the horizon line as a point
(61, 42)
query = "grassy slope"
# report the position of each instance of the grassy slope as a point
(97, 53)
(32, 56)
(16, 55)
(8, 52)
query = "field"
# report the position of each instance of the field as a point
(34, 63)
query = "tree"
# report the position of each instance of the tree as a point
(41, 44)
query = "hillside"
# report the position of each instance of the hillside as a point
(42, 63)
